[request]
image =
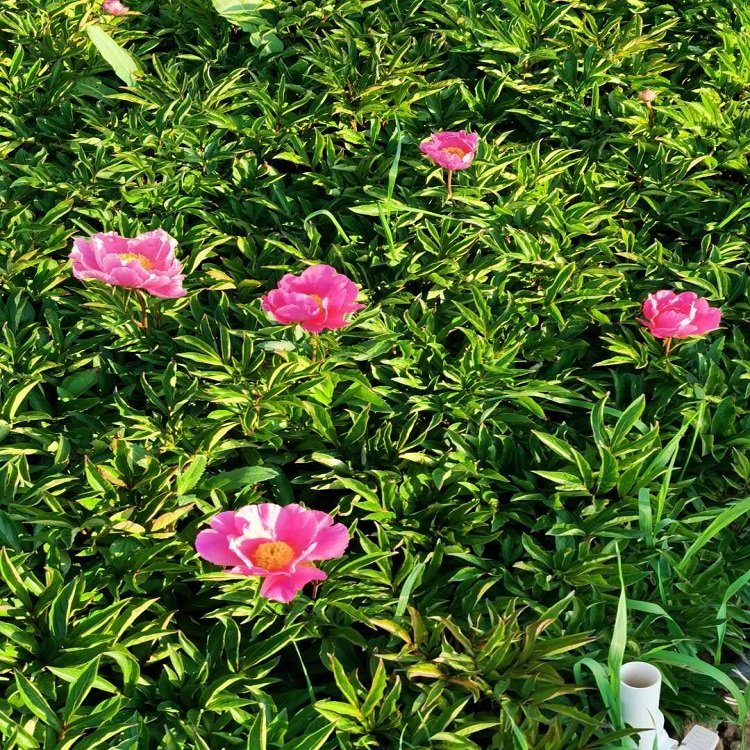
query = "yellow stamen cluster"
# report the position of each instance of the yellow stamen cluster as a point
(273, 555)
(143, 261)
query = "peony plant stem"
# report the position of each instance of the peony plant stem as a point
(144, 308)
(449, 184)
(667, 351)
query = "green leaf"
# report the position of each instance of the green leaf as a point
(722, 520)
(15, 733)
(191, 476)
(262, 651)
(721, 616)
(36, 702)
(60, 611)
(129, 667)
(101, 738)
(257, 738)
(518, 736)
(645, 519)
(694, 664)
(377, 690)
(77, 384)
(16, 397)
(13, 580)
(311, 741)
(617, 646)
(125, 66)
(267, 42)
(243, 13)
(239, 478)
(628, 419)
(79, 689)
(344, 684)
(563, 449)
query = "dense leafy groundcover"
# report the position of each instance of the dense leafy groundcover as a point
(533, 490)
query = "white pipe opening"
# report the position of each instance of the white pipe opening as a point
(640, 690)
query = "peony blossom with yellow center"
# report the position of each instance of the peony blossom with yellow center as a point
(281, 544)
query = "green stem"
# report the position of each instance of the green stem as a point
(449, 184)
(667, 351)
(144, 308)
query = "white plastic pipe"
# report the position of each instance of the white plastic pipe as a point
(640, 689)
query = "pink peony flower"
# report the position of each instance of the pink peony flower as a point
(679, 316)
(115, 7)
(452, 150)
(143, 262)
(319, 298)
(278, 543)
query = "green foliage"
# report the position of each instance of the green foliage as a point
(122, 62)
(495, 428)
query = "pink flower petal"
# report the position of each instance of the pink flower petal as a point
(318, 280)
(164, 287)
(156, 245)
(290, 307)
(319, 323)
(669, 315)
(296, 526)
(330, 542)
(650, 307)
(685, 298)
(236, 540)
(214, 546)
(283, 587)
(317, 300)
(312, 533)
(115, 7)
(105, 243)
(710, 320)
(128, 275)
(228, 522)
(85, 275)
(453, 150)
(260, 520)
(145, 262)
